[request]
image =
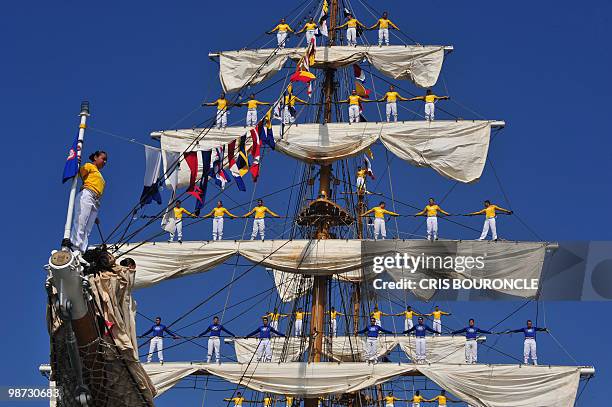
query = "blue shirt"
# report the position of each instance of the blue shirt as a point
(158, 330)
(264, 332)
(471, 332)
(420, 330)
(215, 330)
(373, 331)
(530, 333)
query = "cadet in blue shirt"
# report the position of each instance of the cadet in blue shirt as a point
(264, 349)
(372, 332)
(420, 330)
(471, 343)
(529, 347)
(214, 341)
(158, 340)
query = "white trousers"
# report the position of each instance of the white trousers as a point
(530, 350)
(281, 37)
(84, 219)
(264, 350)
(383, 35)
(334, 327)
(274, 325)
(421, 349)
(432, 227)
(157, 342)
(437, 325)
(379, 228)
(214, 346)
(371, 349)
(360, 183)
(259, 226)
(489, 223)
(310, 34)
(297, 330)
(217, 228)
(351, 36)
(471, 351)
(353, 113)
(287, 116)
(251, 117)
(221, 119)
(391, 110)
(430, 110)
(408, 324)
(178, 229)
(378, 322)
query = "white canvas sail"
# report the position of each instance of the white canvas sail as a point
(419, 64)
(283, 350)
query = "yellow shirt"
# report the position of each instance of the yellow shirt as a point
(391, 96)
(92, 178)
(237, 401)
(417, 399)
(310, 26)
(273, 316)
(361, 173)
(408, 314)
(384, 23)
(178, 213)
(334, 314)
(352, 23)
(490, 211)
(290, 100)
(260, 212)
(354, 99)
(220, 212)
(438, 314)
(390, 399)
(376, 314)
(289, 401)
(299, 315)
(267, 401)
(430, 98)
(282, 27)
(432, 210)
(441, 400)
(252, 104)
(221, 104)
(380, 212)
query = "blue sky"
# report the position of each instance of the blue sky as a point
(542, 67)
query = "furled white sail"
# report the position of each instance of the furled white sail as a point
(444, 349)
(419, 64)
(283, 350)
(455, 149)
(480, 385)
(349, 259)
(352, 349)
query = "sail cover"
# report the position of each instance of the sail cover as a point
(419, 64)
(282, 349)
(479, 385)
(455, 149)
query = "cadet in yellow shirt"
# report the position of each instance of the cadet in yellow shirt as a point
(409, 314)
(383, 25)
(251, 104)
(88, 201)
(351, 29)
(281, 35)
(218, 214)
(310, 28)
(377, 315)
(259, 225)
(222, 105)
(361, 179)
(299, 322)
(442, 399)
(379, 219)
(489, 211)
(390, 399)
(178, 212)
(333, 314)
(391, 97)
(430, 100)
(437, 319)
(288, 401)
(417, 399)
(238, 400)
(289, 110)
(275, 317)
(354, 100)
(431, 211)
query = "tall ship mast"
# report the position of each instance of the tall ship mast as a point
(327, 258)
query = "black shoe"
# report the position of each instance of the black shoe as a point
(180, 241)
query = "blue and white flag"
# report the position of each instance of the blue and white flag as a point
(152, 180)
(71, 168)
